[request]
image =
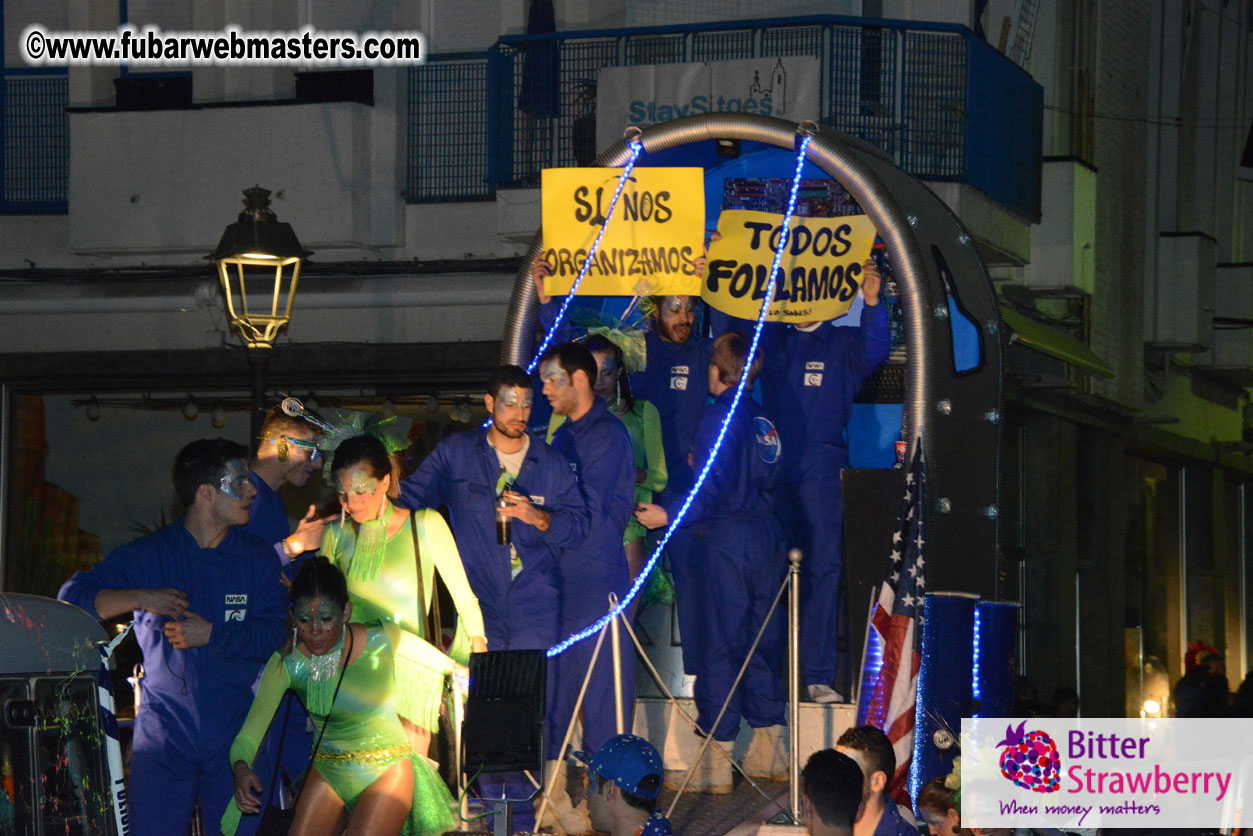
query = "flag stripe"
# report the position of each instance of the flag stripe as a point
(897, 618)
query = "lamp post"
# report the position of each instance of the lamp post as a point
(258, 258)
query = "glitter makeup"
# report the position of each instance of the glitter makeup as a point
(509, 397)
(554, 374)
(234, 479)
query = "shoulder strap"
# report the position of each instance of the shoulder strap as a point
(430, 622)
(347, 659)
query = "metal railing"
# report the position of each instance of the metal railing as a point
(945, 105)
(34, 142)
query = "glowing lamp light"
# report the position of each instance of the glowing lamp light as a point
(259, 262)
(1152, 708)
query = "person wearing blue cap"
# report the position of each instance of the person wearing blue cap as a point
(624, 779)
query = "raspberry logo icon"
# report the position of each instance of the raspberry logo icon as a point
(1030, 759)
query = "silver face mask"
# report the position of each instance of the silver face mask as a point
(674, 305)
(234, 479)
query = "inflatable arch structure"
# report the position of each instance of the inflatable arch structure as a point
(953, 404)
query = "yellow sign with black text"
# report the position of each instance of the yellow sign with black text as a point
(656, 232)
(819, 274)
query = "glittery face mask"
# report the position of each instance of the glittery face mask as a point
(554, 374)
(234, 479)
(299, 449)
(324, 615)
(678, 304)
(510, 399)
(357, 482)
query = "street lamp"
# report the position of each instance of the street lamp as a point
(258, 258)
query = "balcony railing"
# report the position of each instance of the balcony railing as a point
(34, 142)
(945, 105)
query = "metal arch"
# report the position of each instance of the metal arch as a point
(962, 443)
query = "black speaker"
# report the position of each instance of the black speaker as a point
(503, 730)
(872, 505)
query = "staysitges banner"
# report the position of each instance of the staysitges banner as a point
(819, 272)
(788, 88)
(650, 244)
(1108, 773)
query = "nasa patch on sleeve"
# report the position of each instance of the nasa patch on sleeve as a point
(769, 447)
(678, 377)
(236, 608)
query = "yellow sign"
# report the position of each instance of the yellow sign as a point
(656, 232)
(819, 273)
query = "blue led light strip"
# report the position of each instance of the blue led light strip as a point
(561, 647)
(636, 147)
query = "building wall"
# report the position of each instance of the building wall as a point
(1122, 47)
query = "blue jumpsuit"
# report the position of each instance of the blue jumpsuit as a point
(267, 519)
(737, 560)
(808, 385)
(194, 701)
(521, 613)
(599, 448)
(676, 381)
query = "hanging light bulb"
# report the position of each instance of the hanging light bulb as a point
(190, 409)
(218, 417)
(93, 409)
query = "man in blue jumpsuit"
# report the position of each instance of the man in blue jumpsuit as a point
(599, 449)
(208, 610)
(736, 553)
(674, 380)
(279, 460)
(813, 371)
(517, 584)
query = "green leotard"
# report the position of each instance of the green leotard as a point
(644, 426)
(391, 595)
(363, 736)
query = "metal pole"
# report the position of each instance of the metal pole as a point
(565, 741)
(794, 673)
(708, 738)
(257, 359)
(678, 707)
(617, 666)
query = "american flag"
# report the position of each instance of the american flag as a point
(897, 618)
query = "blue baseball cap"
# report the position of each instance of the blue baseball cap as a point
(627, 760)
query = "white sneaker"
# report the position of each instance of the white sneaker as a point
(767, 758)
(824, 694)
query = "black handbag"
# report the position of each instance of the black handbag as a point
(275, 821)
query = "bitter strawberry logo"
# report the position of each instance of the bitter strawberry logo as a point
(1030, 759)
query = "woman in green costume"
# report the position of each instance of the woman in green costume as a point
(374, 547)
(363, 776)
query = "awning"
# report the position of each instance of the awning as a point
(1047, 340)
